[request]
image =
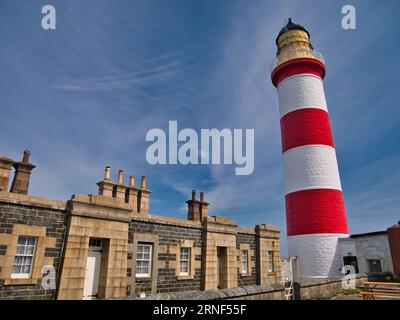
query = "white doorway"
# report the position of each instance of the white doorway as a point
(92, 276)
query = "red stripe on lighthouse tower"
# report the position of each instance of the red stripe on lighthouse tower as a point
(315, 210)
(324, 207)
(305, 127)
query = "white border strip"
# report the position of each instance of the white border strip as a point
(318, 254)
(301, 91)
(311, 167)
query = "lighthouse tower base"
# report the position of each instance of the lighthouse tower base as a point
(318, 255)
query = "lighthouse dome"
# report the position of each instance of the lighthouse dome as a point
(291, 26)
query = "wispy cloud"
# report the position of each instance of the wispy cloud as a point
(86, 95)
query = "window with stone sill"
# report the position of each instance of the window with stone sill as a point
(245, 261)
(24, 258)
(185, 259)
(184, 267)
(270, 262)
(143, 260)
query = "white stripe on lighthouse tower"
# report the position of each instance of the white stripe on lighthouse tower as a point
(315, 210)
(301, 91)
(311, 167)
(318, 253)
(314, 205)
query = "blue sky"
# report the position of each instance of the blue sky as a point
(85, 95)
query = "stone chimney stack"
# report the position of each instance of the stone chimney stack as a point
(143, 197)
(194, 208)
(137, 198)
(203, 207)
(132, 194)
(22, 174)
(119, 189)
(106, 187)
(5, 170)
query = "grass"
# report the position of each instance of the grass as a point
(348, 292)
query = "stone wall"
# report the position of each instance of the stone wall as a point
(220, 254)
(250, 240)
(318, 289)
(64, 231)
(268, 241)
(168, 235)
(373, 247)
(22, 215)
(366, 247)
(103, 218)
(328, 288)
(255, 292)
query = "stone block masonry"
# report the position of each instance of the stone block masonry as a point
(108, 245)
(22, 215)
(249, 239)
(314, 290)
(170, 234)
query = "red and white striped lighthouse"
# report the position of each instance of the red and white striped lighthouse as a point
(315, 213)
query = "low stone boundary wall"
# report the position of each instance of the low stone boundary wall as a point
(256, 292)
(311, 290)
(328, 288)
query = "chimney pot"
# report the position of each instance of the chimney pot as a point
(120, 176)
(197, 210)
(107, 173)
(131, 181)
(22, 174)
(143, 182)
(25, 158)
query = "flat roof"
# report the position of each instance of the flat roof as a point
(375, 233)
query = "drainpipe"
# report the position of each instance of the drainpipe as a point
(58, 279)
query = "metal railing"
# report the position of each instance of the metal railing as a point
(299, 53)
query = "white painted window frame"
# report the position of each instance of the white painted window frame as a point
(245, 261)
(29, 274)
(270, 261)
(144, 275)
(189, 253)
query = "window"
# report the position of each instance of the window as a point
(23, 261)
(270, 261)
(184, 261)
(143, 260)
(245, 261)
(95, 243)
(375, 265)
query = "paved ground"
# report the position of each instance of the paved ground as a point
(347, 297)
(358, 297)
